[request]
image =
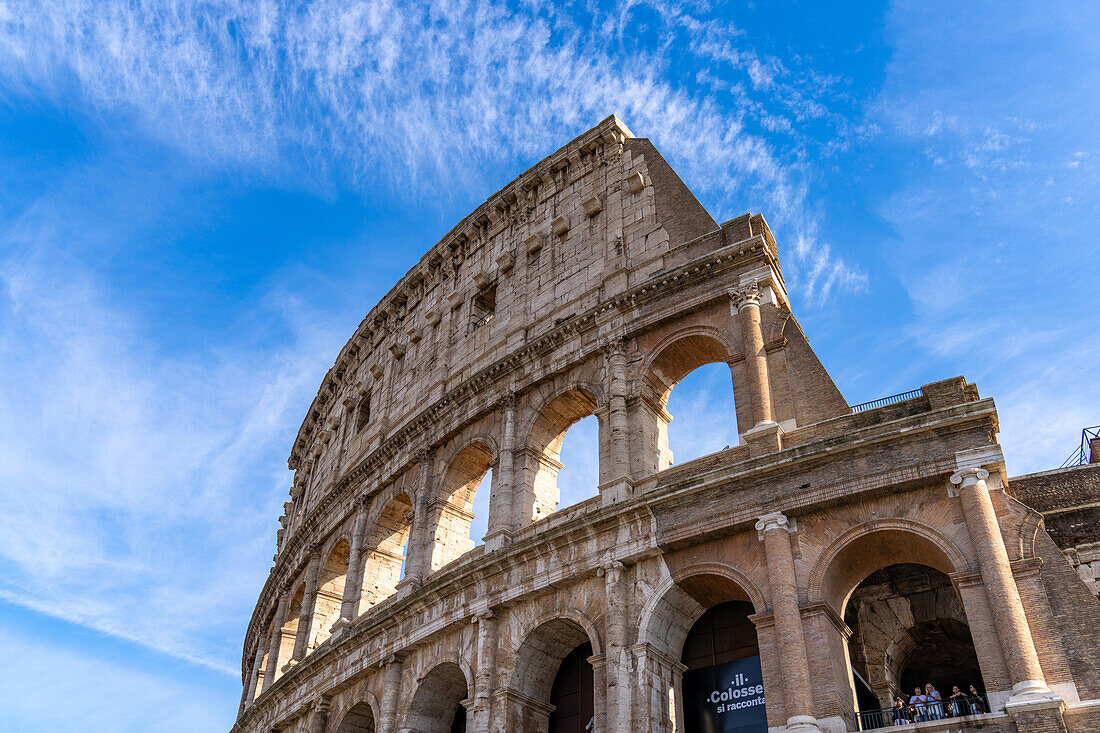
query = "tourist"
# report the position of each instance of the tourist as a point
(901, 711)
(958, 704)
(977, 704)
(934, 702)
(919, 704)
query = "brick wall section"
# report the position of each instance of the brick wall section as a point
(1075, 612)
(681, 214)
(1069, 500)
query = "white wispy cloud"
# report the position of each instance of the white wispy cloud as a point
(422, 94)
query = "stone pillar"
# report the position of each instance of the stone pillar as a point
(305, 616)
(276, 636)
(391, 690)
(353, 584)
(320, 715)
(1004, 598)
(601, 716)
(502, 520)
(775, 529)
(617, 702)
(481, 706)
(747, 301)
(616, 415)
(254, 678)
(418, 560)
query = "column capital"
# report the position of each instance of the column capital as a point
(745, 296)
(970, 476)
(508, 401)
(774, 520)
(615, 346)
(424, 455)
(612, 570)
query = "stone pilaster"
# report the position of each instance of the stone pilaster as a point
(254, 678)
(502, 521)
(320, 715)
(276, 636)
(618, 694)
(305, 616)
(616, 478)
(353, 584)
(391, 692)
(418, 561)
(1017, 645)
(775, 530)
(481, 705)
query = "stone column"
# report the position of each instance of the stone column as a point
(320, 715)
(305, 615)
(481, 707)
(775, 529)
(616, 414)
(1004, 598)
(418, 560)
(276, 636)
(617, 701)
(747, 301)
(501, 513)
(353, 584)
(391, 689)
(254, 678)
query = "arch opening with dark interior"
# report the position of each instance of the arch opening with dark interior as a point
(384, 559)
(722, 687)
(540, 494)
(437, 706)
(572, 693)
(453, 513)
(909, 629)
(704, 403)
(330, 593)
(360, 719)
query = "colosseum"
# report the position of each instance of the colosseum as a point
(810, 577)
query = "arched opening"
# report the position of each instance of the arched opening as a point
(261, 671)
(330, 593)
(539, 494)
(909, 630)
(579, 477)
(385, 551)
(703, 413)
(703, 620)
(437, 706)
(360, 719)
(554, 680)
(453, 512)
(702, 396)
(289, 630)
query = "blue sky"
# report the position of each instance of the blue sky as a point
(199, 202)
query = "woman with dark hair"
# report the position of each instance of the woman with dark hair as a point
(901, 711)
(977, 702)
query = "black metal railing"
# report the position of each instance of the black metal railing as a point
(912, 714)
(887, 400)
(1083, 454)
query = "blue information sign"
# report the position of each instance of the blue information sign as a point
(725, 698)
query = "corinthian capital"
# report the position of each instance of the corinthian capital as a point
(746, 296)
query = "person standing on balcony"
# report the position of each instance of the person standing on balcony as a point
(958, 704)
(934, 701)
(977, 705)
(901, 712)
(919, 703)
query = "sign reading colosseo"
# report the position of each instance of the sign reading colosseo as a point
(725, 698)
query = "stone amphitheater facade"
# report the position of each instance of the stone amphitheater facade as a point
(591, 285)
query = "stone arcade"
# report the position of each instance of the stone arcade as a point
(834, 554)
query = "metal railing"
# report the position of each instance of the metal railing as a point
(887, 400)
(1083, 454)
(912, 714)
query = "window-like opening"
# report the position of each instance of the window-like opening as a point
(723, 686)
(579, 477)
(330, 593)
(909, 631)
(453, 513)
(386, 551)
(703, 413)
(289, 630)
(540, 493)
(484, 307)
(362, 413)
(571, 693)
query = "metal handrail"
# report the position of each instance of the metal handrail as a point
(1083, 454)
(884, 717)
(887, 400)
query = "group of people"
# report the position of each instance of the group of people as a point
(930, 705)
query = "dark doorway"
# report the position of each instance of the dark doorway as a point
(571, 694)
(458, 725)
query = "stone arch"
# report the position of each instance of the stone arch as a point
(673, 358)
(867, 547)
(452, 509)
(537, 495)
(360, 717)
(1027, 532)
(384, 551)
(438, 698)
(290, 628)
(330, 592)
